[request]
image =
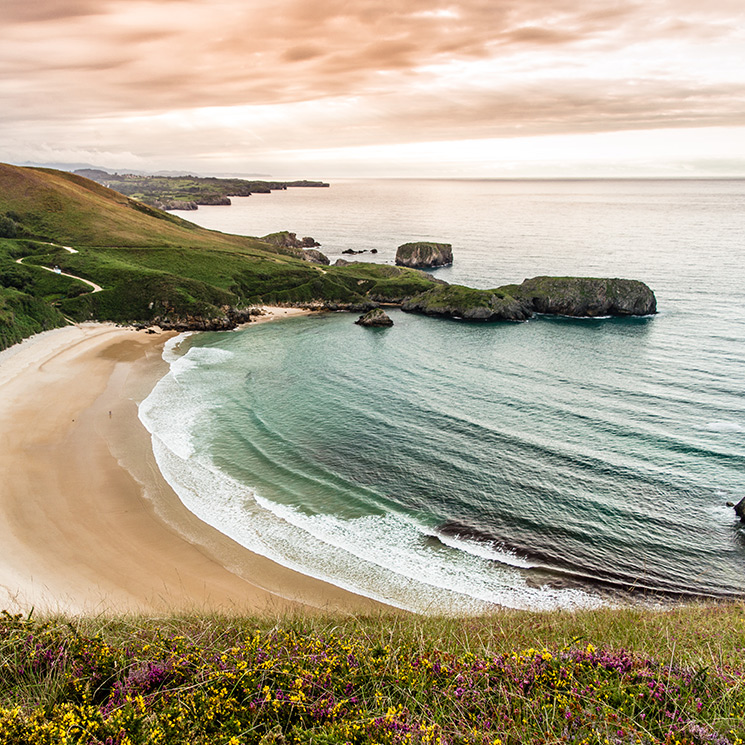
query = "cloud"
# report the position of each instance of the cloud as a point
(22, 11)
(366, 71)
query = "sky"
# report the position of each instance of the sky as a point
(375, 88)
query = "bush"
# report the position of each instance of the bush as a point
(9, 228)
(393, 681)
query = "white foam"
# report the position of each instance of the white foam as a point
(174, 408)
(483, 550)
(384, 557)
(209, 355)
(173, 425)
(724, 426)
(172, 348)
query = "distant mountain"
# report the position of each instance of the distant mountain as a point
(69, 167)
(73, 167)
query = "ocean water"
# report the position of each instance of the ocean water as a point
(448, 467)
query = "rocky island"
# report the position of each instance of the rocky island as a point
(424, 255)
(579, 297)
(375, 317)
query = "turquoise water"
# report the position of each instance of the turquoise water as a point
(444, 466)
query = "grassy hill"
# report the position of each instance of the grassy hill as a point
(153, 266)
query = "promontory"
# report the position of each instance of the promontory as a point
(152, 267)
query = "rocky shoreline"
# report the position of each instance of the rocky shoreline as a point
(574, 297)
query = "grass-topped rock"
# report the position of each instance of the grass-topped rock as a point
(580, 297)
(455, 301)
(375, 317)
(586, 296)
(424, 255)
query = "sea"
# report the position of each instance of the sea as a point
(448, 467)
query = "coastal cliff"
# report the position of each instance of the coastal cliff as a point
(300, 248)
(454, 301)
(173, 192)
(586, 296)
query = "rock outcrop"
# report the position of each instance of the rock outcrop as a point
(315, 256)
(455, 301)
(374, 317)
(175, 204)
(424, 255)
(289, 244)
(587, 297)
(740, 509)
(231, 318)
(213, 200)
(580, 297)
(285, 239)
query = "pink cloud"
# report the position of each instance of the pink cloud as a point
(423, 69)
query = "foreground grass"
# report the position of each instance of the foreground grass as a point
(625, 676)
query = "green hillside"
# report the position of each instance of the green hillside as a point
(153, 266)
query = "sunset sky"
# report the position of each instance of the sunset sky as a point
(332, 88)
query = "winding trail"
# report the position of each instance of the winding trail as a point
(69, 249)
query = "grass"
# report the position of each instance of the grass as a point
(22, 315)
(609, 676)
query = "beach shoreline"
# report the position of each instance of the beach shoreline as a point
(87, 522)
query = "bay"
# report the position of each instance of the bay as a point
(446, 467)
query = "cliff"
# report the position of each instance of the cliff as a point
(586, 296)
(165, 190)
(456, 301)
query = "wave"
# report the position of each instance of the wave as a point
(451, 472)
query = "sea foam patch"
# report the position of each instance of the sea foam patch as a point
(724, 426)
(175, 408)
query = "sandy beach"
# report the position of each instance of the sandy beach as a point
(87, 523)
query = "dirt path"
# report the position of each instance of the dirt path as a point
(96, 288)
